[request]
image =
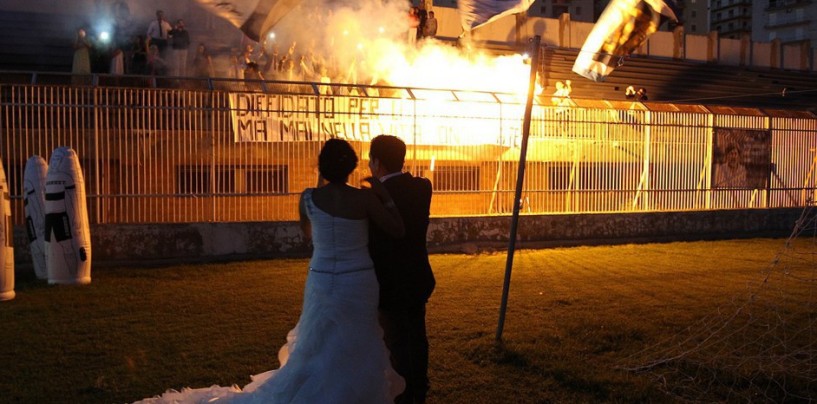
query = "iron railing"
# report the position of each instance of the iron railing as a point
(221, 150)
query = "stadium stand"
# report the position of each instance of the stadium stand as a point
(41, 42)
(688, 82)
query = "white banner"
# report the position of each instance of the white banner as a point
(259, 117)
(622, 28)
(253, 17)
(474, 13)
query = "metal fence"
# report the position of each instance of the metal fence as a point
(243, 151)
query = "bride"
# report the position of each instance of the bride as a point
(336, 353)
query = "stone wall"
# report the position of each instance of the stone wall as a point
(150, 244)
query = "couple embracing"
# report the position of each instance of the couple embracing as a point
(361, 336)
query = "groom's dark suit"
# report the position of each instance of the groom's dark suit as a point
(406, 283)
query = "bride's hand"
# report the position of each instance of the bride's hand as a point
(374, 184)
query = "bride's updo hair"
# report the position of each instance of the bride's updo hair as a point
(337, 160)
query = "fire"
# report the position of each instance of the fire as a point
(459, 95)
(368, 44)
(440, 66)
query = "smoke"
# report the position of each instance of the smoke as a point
(348, 38)
(351, 42)
(367, 42)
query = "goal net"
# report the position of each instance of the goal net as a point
(761, 346)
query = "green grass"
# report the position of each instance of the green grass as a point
(575, 315)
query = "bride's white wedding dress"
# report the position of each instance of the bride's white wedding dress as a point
(335, 354)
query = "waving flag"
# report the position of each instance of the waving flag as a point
(474, 13)
(253, 17)
(622, 28)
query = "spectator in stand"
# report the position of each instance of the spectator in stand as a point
(325, 79)
(179, 43)
(244, 61)
(138, 56)
(82, 55)
(629, 93)
(117, 66)
(561, 97)
(423, 16)
(305, 71)
(289, 73)
(159, 32)
(414, 22)
(203, 62)
(156, 65)
(272, 63)
(641, 94)
(430, 27)
(253, 77)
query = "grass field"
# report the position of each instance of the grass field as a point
(575, 317)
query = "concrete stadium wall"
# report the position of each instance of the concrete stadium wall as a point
(762, 54)
(661, 44)
(150, 244)
(696, 47)
(796, 57)
(729, 52)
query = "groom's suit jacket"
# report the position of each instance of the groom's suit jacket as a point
(401, 264)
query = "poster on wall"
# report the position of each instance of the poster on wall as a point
(742, 158)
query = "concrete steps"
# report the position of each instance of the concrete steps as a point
(687, 82)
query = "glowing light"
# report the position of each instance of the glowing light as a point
(462, 95)
(271, 36)
(104, 36)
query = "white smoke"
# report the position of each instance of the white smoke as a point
(366, 42)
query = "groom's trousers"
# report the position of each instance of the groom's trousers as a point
(404, 332)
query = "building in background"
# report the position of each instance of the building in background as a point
(731, 18)
(790, 21)
(694, 14)
(579, 10)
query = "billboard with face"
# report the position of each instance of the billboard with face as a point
(741, 158)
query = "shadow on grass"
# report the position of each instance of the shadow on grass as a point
(523, 364)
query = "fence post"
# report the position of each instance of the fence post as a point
(520, 181)
(647, 207)
(708, 159)
(96, 154)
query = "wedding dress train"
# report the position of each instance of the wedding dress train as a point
(335, 354)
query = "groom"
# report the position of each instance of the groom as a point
(402, 267)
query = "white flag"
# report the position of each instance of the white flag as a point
(253, 17)
(474, 13)
(622, 28)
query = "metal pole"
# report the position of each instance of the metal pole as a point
(520, 179)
